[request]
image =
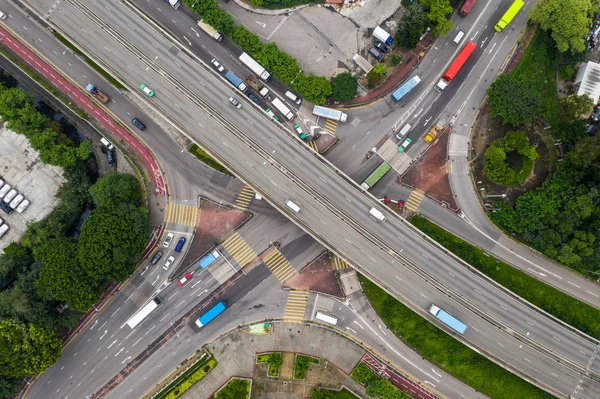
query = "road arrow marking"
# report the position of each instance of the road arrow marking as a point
(262, 24)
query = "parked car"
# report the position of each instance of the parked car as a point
(110, 157)
(179, 245)
(252, 97)
(217, 65)
(168, 240)
(147, 91)
(381, 47)
(169, 262)
(22, 206)
(15, 202)
(184, 279)
(5, 207)
(3, 229)
(156, 257)
(300, 132)
(235, 102)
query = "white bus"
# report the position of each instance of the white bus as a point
(144, 312)
(277, 103)
(325, 318)
(255, 67)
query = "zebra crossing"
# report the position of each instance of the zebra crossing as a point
(244, 198)
(295, 306)
(414, 200)
(181, 214)
(279, 265)
(330, 126)
(339, 264)
(239, 249)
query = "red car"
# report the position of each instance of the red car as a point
(184, 279)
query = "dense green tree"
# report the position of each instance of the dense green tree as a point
(376, 74)
(112, 241)
(26, 349)
(247, 40)
(16, 257)
(114, 189)
(411, 26)
(567, 19)
(574, 106)
(438, 13)
(315, 89)
(513, 100)
(344, 87)
(218, 19)
(61, 277)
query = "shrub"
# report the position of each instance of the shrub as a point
(376, 75)
(302, 364)
(565, 72)
(396, 59)
(344, 87)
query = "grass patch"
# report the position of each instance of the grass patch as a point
(185, 381)
(538, 66)
(375, 385)
(207, 159)
(301, 365)
(446, 352)
(580, 315)
(235, 389)
(89, 61)
(323, 393)
(273, 359)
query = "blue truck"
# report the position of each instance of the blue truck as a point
(447, 319)
(211, 314)
(237, 82)
(209, 259)
(406, 88)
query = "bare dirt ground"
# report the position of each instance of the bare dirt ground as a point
(430, 173)
(319, 276)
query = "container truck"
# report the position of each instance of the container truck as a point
(96, 92)
(209, 259)
(447, 319)
(210, 30)
(382, 36)
(458, 63)
(406, 88)
(466, 8)
(257, 85)
(509, 15)
(281, 107)
(144, 312)
(211, 314)
(174, 3)
(237, 82)
(377, 174)
(329, 113)
(255, 67)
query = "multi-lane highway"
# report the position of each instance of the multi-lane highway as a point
(332, 209)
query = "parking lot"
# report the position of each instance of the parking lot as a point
(37, 182)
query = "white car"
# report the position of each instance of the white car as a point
(235, 102)
(168, 240)
(217, 65)
(169, 262)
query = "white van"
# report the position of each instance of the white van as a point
(293, 97)
(377, 215)
(2, 15)
(3, 229)
(11, 194)
(458, 38)
(22, 206)
(292, 206)
(403, 131)
(4, 190)
(107, 143)
(14, 203)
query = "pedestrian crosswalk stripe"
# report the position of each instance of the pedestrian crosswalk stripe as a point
(244, 198)
(330, 126)
(295, 306)
(181, 214)
(414, 200)
(279, 265)
(339, 263)
(239, 249)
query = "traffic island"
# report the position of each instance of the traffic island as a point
(319, 276)
(301, 365)
(274, 360)
(236, 388)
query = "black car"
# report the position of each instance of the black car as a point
(136, 122)
(4, 206)
(382, 47)
(110, 156)
(156, 257)
(252, 97)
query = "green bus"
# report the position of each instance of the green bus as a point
(377, 174)
(509, 15)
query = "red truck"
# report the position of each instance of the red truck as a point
(458, 63)
(466, 8)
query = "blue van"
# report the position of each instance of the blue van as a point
(180, 243)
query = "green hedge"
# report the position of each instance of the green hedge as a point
(578, 314)
(235, 389)
(376, 386)
(446, 352)
(273, 359)
(301, 365)
(184, 382)
(207, 159)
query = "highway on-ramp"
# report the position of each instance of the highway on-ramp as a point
(333, 210)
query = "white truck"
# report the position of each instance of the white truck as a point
(281, 107)
(210, 30)
(382, 36)
(174, 3)
(329, 113)
(255, 67)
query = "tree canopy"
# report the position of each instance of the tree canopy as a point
(411, 27)
(344, 87)
(496, 167)
(114, 189)
(513, 100)
(568, 21)
(438, 13)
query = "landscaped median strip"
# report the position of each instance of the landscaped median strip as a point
(187, 380)
(446, 352)
(580, 315)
